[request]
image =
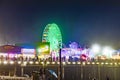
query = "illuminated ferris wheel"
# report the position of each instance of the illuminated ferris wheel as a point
(53, 35)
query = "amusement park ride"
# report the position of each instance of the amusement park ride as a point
(51, 47)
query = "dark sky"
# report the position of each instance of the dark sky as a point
(87, 22)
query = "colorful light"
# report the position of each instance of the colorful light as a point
(53, 35)
(107, 51)
(43, 48)
(96, 48)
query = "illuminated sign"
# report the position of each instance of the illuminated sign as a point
(43, 48)
(27, 51)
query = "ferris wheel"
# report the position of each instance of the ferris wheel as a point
(53, 35)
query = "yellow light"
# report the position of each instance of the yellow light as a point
(78, 63)
(19, 62)
(88, 62)
(118, 63)
(97, 63)
(31, 62)
(48, 62)
(5, 62)
(68, 62)
(93, 62)
(102, 62)
(63, 63)
(11, 62)
(24, 63)
(111, 63)
(83, 63)
(106, 63)
(42, 62)
(0, 62)
(36, 62)
(53, 62)
(44, 49)
(115, 63)
(73, 62)
(58, 62)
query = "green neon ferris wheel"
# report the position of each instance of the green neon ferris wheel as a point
(53, 35)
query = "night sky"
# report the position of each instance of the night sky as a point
(88, 22)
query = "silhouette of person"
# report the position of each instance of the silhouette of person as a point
(107, 78)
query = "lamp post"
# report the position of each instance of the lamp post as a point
(60, 66)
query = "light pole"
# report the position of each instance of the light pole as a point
(60, 66)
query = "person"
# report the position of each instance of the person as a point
(94, 78)
(42, 74)
(107, 78)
